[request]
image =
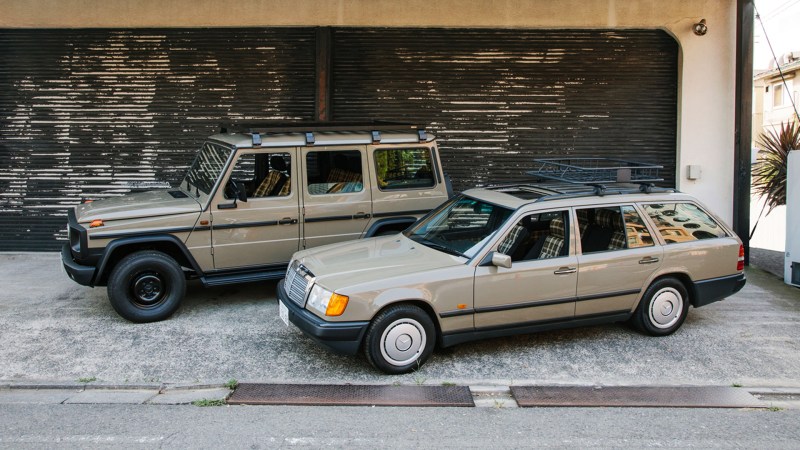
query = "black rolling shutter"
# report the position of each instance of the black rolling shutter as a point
(95, 113)
(498, 98)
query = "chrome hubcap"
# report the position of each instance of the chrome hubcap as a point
(402, 342)
(666, 308)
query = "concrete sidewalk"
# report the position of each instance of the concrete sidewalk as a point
(55, 331)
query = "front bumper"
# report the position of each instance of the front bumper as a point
(79, 273)
(339, 337)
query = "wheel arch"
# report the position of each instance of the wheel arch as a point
(393, 223)
(682, 277)
(120, 248)
(423, 305)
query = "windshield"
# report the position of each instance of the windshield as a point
(205, 170)
(459, 227)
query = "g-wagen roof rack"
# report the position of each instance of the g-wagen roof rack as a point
(375, 128)
(597, 173)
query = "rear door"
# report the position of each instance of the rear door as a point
(337, 203)
(618, 255)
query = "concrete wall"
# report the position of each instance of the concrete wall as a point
(707, 70)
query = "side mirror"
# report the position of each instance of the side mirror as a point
(501, 260)
(238, 191)
(241, 192)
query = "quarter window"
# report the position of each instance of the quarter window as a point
(336, 172)
(404, 168)
(683, 222)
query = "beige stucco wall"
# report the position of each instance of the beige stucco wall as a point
(707, 73)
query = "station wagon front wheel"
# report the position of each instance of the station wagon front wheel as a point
(663, 307)
(400, 339)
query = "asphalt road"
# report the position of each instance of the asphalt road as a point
(54, 330)
(150, 426)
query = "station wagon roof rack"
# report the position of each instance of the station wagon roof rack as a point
(375, 128)
(561, 178)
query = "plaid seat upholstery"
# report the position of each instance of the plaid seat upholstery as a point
(612, 220)
(270, 183)
(514, 237)
(338, 175)
(554, 242)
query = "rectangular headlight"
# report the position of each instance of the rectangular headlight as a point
(326, 302)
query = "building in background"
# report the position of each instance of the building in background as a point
(100, 98)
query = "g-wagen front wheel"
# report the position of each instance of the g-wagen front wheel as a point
(146, 286)
(400, 339)
(663, 307)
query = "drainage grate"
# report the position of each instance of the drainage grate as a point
(350, 395)
(631, 396)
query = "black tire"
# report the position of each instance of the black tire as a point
(663, 307)
(407, 326)
(146, 286)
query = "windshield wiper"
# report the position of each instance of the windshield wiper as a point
(437, 246)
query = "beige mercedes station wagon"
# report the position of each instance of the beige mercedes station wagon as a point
(514, 259)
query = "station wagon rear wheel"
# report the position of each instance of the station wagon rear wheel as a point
(663, 307)
(400, 339)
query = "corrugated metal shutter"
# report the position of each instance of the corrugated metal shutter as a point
(498, 98)
(95, 113)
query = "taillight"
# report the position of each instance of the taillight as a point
(740, 264)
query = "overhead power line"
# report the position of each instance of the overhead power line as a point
(777, 63)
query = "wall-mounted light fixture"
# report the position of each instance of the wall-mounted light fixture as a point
(700, 28)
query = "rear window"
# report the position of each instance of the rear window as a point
(683, 222)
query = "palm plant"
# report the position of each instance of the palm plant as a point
(769, 172)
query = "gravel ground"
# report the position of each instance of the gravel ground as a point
(54, 330)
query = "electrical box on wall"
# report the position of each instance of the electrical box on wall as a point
(791, 266)
(693, 172)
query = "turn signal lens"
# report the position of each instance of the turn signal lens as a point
(96, 223)
(336, 305)
(740, 264)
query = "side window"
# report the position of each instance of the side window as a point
(537, 236)
(683, 222)
(404, 168)
(601, 229)
(263, 174)
(335, 172)
(635, 229)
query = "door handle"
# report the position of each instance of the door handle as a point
(287, 221)
(361, 215)
(648, 260)
(565, 270)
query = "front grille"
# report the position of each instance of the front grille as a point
(297, 283)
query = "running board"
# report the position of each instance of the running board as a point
(236, 278)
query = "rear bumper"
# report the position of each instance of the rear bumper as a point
(339, 337)
(79, 273)
(715, 289)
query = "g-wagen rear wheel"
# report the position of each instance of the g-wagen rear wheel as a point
(400, 339)
(663, 307)
(146, 286)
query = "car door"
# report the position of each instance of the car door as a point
(618, 255)
(265, 229)
(540, 285)
(337, 203)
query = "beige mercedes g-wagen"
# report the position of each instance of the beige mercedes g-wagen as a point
(250, 199)
(517, 259)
